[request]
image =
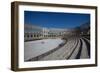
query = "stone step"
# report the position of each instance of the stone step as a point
(84, 52)
(73, 56)
(62, 52)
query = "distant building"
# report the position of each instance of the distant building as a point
(32, 32)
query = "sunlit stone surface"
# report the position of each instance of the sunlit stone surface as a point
(38, 47)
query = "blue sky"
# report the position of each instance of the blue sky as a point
(55, 20)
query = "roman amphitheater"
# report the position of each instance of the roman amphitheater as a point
(42, 43)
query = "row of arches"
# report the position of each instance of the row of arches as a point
(33, 36)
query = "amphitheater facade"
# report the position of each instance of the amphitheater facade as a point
(32, 32)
